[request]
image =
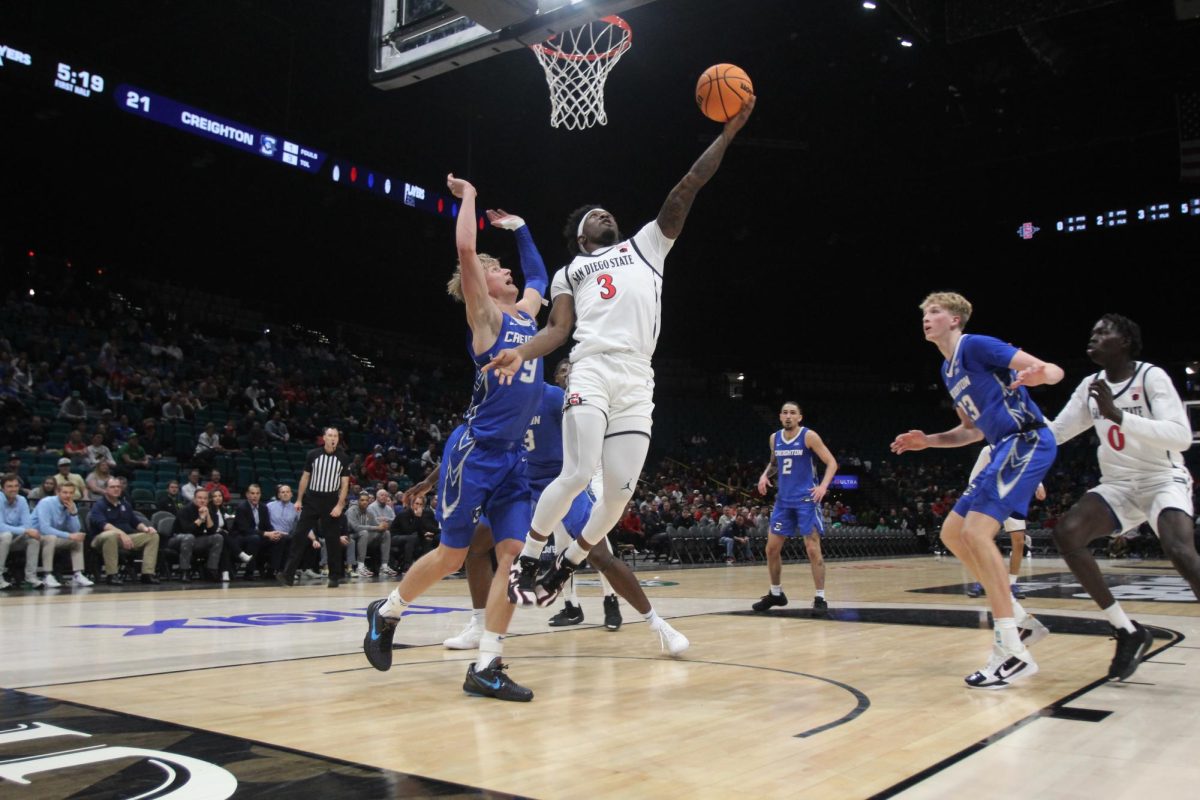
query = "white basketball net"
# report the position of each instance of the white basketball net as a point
(577, 63)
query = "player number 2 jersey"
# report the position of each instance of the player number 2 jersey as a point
(618, 295)
(794, 466)
(1152, 435)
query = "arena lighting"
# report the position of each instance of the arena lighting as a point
(337, 173)
(32, 293)
(1192, 368)
(387, 187)
(869, 6)
(32, 254)
(354, 174)
(905, 43)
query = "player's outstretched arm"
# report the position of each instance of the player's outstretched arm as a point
(533, 269)
(963, 434)
(546, 341)
(679, 202)
(1075, 417)
(817, 445)
(1032, 371)
(482, 314)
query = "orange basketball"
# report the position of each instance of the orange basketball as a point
(721, 91)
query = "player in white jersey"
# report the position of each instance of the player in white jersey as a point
(1143, 430)
(611, 295)
(1013, 526)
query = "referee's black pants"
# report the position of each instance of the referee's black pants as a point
(315, 514)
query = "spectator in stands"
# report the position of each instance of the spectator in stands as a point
(96, 479)
(154, 438)
(35, 435)
(131, 456)
(197, 530)
(57, 520)
(170, 499)
(728, 515)
(214, 484)
(229, 438)
(208, 444)
(382, 514)
(98, 452)
(277, 430)
(364, 531)
(112, 526)
(16, 527)
(188, 490)
(251, 527)
(375, 467)
(257, 438)
(172, 410)
(737, 534)
(73, 409)
(414, 531)
(14, 468)
(221, 511)
(75, 448)
(630, 530)
(277, 542)
(48, 489)
(64, 475)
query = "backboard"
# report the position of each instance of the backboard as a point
(412, 40)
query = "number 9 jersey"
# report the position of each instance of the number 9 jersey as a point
(502, 413)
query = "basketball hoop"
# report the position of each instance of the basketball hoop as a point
(577, 63)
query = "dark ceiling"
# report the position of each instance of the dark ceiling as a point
(870, 174)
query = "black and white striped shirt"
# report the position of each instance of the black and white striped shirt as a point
(326, 470)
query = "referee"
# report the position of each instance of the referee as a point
(319, 502)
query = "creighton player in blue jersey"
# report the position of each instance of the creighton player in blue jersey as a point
(544, 449)
(986, 379)
(798, 502)
(483, 466)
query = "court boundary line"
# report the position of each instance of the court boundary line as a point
(1045, 711)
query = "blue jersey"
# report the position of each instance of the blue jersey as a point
(502, 413)
(978, 377)
(543, 440)
(794, 466)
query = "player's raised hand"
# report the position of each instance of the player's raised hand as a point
(458, 186)
(502, 219)
(912, 440)
(763, 485)
(736, 122)
(1101, 392)
(506, 364)
(1030, 376)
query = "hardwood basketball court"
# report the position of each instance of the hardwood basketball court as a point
(867, 702)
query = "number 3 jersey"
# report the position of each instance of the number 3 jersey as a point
(618, 295)
(1152, 435)
(501, 413)
(978, 377)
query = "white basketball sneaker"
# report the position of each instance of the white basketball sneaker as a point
(1004, 668)
(468, 639)
(672, 641)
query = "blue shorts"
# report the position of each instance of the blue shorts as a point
(1007, 484)
(804, 520)
(577, 515)
(479, 479)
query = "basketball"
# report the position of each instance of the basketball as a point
(721, 90)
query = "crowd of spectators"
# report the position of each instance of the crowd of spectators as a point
(142, 415)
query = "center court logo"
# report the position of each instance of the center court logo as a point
(256, 620)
